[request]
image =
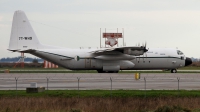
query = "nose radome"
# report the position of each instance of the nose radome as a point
(188, 61)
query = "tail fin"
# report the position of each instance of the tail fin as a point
(22, 34)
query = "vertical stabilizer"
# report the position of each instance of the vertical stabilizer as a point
(22, 35)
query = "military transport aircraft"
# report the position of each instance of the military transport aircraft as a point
(23, 39)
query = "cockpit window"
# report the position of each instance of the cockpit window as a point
(179, 52)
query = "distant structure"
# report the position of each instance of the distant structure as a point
(49, 65)
(111, 38)
(20, 61)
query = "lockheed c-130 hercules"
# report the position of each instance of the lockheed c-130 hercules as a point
(23, 39)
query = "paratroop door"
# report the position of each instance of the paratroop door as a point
(87, 63)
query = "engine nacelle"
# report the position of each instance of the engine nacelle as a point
(134, 52)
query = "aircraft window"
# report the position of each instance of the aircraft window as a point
(179, 52)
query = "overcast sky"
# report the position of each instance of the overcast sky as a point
(77, 23)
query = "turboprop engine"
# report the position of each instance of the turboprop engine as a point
(134, 52)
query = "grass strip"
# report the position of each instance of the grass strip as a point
(102, 93)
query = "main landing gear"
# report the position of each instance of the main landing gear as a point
(173, 70)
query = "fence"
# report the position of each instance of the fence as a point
(88, 81)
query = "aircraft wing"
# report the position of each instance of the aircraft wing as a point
(131, 50)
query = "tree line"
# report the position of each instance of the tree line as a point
(16, 59)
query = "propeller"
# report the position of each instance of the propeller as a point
(145, 50)
(139, 57)
(143, 57)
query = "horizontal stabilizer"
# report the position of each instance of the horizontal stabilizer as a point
(24, 51)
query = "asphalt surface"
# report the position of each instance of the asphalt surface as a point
(105, 81)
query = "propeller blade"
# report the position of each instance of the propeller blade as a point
(139, 57)
(143, 57)
(145, 50)
(146, 55)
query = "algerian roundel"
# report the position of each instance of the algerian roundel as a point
(77, 58)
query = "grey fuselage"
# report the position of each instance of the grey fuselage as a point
(157, 58)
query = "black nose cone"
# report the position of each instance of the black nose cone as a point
(188, 61)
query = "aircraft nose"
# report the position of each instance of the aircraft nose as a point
(188, 61)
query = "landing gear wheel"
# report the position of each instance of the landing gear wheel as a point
(113, 71)
(100, 71)
(173, 70)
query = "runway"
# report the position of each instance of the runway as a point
(105, 81)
